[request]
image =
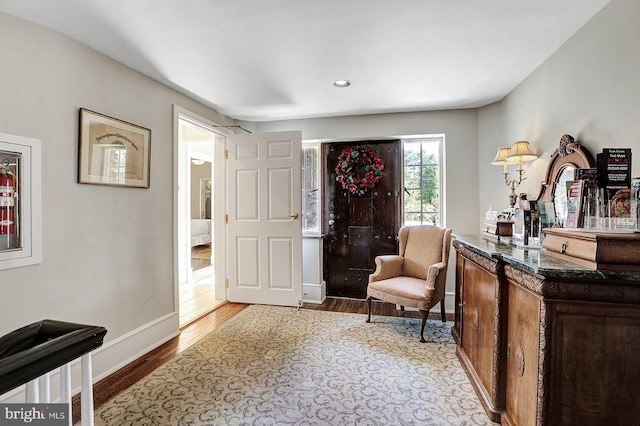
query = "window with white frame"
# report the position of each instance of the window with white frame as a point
(311, 188)
(422, 181)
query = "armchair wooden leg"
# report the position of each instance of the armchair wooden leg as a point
(369, 309)
(425, 314)
(443, 314)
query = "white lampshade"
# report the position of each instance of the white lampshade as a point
(502, 157)
(521, 151)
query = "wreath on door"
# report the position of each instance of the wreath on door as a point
(359, 169)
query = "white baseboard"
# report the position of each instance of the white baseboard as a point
(110, 357)
(314, 293)
(117, 353)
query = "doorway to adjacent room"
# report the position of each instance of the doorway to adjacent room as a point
(196, 207)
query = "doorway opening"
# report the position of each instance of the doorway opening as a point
(197, 237)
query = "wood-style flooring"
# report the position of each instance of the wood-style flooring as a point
(197, 298)
(111, 386)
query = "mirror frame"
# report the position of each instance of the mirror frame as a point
(568, 153)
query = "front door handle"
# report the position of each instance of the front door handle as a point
(294, 216)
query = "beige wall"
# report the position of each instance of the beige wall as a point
(107, 252)
(589, 88)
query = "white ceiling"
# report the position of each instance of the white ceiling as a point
(275, 59)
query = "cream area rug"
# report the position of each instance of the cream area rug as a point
(282, 366)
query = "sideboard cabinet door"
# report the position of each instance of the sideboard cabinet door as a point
(522, 360)
(480, 335)
(595, 371)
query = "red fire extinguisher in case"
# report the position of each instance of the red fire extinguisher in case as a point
(7, 202)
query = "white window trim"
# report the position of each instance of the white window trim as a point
(440, 138)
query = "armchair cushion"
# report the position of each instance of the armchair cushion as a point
(404, 291)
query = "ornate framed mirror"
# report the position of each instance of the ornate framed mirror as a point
(569, 155)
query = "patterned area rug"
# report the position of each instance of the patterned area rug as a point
(282, 366)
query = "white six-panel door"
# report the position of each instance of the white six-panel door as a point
(264, 231)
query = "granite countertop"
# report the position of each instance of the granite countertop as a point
(537, 261)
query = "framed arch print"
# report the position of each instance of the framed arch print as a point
(113, 152)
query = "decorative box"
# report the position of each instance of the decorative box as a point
(500, 228)
(595, 248)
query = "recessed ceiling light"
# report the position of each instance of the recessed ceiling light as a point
(341, 83)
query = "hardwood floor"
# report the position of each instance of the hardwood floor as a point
(197, 298)
(111, 386)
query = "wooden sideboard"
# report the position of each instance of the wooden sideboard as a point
(545, 341)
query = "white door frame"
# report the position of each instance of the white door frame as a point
(181, 223)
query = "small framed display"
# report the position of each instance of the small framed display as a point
(113, 152)
(20, 201)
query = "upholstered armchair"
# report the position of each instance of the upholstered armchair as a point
(416, 277)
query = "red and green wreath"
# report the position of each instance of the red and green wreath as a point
(359, 169)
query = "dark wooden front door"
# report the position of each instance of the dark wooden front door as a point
(359, 227)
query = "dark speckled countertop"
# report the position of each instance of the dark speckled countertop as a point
(537, 261)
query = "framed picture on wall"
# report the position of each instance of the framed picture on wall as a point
(113, 152)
